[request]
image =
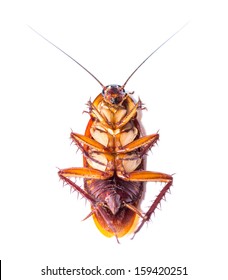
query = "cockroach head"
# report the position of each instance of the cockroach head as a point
(114, 94)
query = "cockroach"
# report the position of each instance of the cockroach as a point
(114, 149)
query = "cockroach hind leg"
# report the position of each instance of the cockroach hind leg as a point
(159, 198)
(117, 239)
(67, 181)
(89, 215)
(134, 209)
(154, 206)
(72, 190)
(107, 220)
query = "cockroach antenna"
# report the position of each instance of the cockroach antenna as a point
(66, 55)
(123, 86)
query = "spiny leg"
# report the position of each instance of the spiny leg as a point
(77, 188)
(154, 205)
(82, 140)
(134, 209)
(94, 112)
(150, 176)
(78, 138)
(128, 117)
(82, 172)
(96, 206)
(145, 142)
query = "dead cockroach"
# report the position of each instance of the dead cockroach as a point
(113, 151)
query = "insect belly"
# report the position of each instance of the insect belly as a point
(113, 217)
(114, 141)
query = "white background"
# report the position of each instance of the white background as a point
(43, 94)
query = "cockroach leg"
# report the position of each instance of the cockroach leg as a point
(86, 154)
(77, 138)
(128, 117)
(85, 172)
(95, 113)
(89, 215)
(145, 176)
(99, 209)
(149, 176)
(147, 141)
(154, 205)
(77, 188)
(134, 209)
